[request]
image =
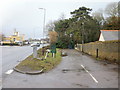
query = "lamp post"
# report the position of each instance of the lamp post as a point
(83, 23)
(83, 33)
(43, 22)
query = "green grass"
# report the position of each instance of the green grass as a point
(33, 64)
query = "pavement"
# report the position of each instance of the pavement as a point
(76, 70)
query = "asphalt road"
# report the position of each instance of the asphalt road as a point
(75, 71)
(11, 56)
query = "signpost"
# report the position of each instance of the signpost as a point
(53, 49)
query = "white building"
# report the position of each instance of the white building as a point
(107, 35)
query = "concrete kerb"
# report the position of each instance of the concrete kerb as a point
(15, 69)
(28, 72)
(23, 72)
(35, 72)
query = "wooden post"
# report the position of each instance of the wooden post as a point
(97, 53)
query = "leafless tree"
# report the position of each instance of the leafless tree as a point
(62, 16)
(98, 15)
(112, 9)
(50, 26)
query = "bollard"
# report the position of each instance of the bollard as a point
(48, 51)
(97, 53)
(43, 51)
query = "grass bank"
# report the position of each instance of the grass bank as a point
(34, 64)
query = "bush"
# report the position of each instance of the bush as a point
(63, 42)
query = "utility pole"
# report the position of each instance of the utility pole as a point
(43, 22)
(43, 28)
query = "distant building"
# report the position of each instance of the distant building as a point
(16, 38)
(107, 35)
(35, 40)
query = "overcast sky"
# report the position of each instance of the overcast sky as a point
(25, 16)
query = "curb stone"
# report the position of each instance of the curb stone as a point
(35, 72)
(32, 73)
(29, 72)
(23, 72)
(19, 70)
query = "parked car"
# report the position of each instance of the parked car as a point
(35, 43)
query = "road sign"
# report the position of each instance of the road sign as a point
(53, 48)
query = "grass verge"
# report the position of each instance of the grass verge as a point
(33, 64)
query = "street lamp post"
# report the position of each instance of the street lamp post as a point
(43, 22)
(82, 37)
(83, 32)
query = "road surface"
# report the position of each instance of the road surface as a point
(75, 71)
(11, 56)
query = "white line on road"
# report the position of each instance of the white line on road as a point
(89, 74)
(9, 71)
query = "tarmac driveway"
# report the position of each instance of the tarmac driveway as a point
(75, 71)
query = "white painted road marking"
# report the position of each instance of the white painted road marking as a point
(89, 74)
(9, 71)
